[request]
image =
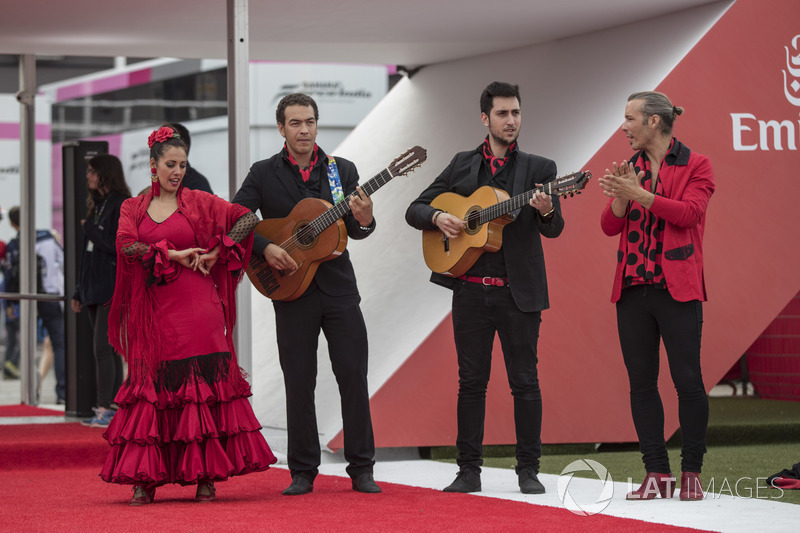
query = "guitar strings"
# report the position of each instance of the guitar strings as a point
(493, 211)
(500, 208)
(295, 240)
(327, 217)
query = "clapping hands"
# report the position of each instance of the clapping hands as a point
(622, 181)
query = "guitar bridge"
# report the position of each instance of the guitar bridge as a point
(446, 242)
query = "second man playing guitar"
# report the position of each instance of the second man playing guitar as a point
(504, 291)
(330, 303)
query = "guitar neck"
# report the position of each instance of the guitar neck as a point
(342, 208)
(512, 204)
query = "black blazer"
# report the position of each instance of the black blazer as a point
(522, 244)
(272, 186)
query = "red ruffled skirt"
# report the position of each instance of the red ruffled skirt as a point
(192, 425)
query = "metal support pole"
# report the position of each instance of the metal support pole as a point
(27, 220)
(239, 150)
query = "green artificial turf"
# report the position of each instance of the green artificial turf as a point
(749, 439)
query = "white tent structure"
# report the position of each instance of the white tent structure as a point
(569, 51)
(410, 32)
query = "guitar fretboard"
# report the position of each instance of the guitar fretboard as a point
(502, 208)
(342, 207)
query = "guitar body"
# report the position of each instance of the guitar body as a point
(307, 250)
(453, 257)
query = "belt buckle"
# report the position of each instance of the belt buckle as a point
(491, 282)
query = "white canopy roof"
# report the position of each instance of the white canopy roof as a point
(403, 32)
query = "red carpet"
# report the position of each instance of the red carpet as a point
(27, 410)
(50, 472)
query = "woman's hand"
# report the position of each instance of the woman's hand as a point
(189, 257)
(76, 306)
(207, 261)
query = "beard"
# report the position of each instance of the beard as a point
(503, 140)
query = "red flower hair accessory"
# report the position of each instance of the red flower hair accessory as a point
(160, 135)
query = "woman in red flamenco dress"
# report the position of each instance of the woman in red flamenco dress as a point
(183, 416)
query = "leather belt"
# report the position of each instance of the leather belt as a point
(495, 282)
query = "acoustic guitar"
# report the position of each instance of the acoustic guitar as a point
(485, 213)
(314, 232)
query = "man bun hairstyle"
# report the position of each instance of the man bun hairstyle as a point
(655, 103)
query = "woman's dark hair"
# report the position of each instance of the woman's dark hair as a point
(110, 178)
(158, 149)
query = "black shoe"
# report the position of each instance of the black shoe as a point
(366, 483)
(529, 483)
(467, 480)
(300, 485)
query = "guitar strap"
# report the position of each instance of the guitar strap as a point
(334, 181)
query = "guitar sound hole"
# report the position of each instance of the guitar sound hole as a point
(305, 236)
(472, 222)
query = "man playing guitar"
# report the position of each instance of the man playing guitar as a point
(504, 291)
(330, 303)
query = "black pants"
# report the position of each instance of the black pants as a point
(298, 326)
(12, 341)
(53, 319)
(479, 312)
(645, 316)
(108, 363)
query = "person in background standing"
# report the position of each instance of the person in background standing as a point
(50, 280)
(193, 179)
(10, 320)
(106, 187)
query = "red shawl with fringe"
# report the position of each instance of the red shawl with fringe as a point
(134, 323)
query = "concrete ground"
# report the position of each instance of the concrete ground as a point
(11, 389)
